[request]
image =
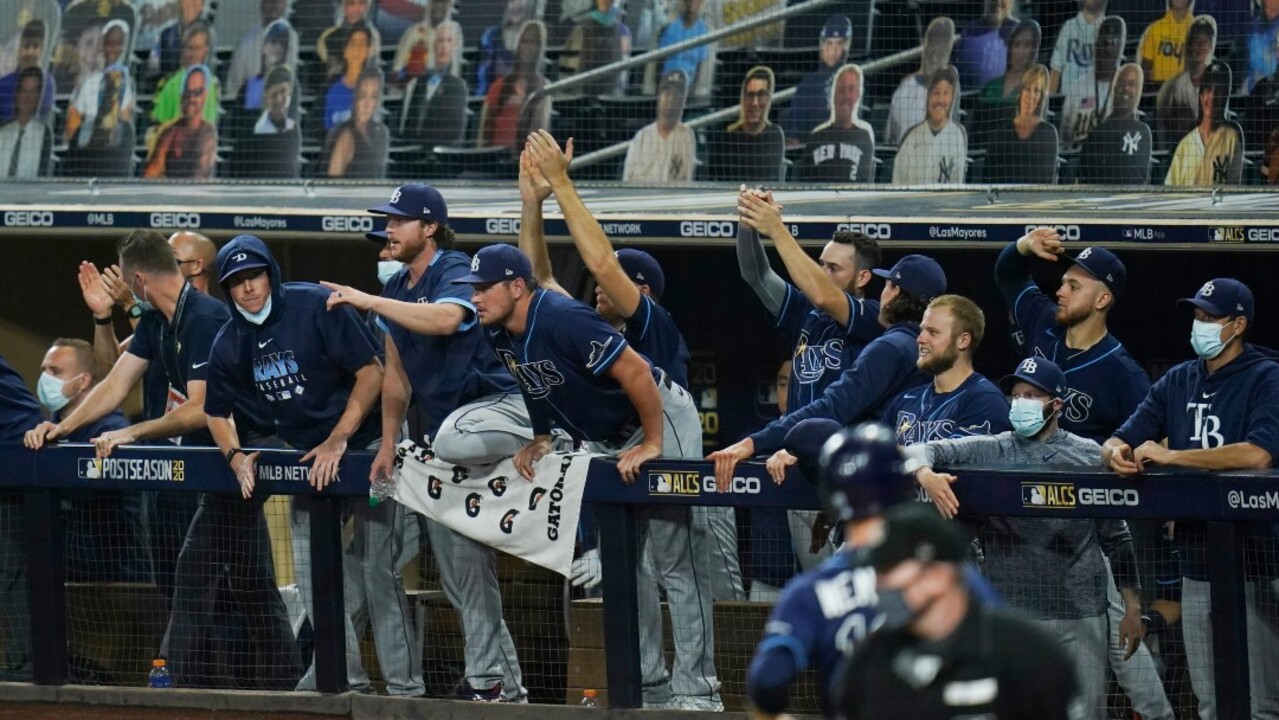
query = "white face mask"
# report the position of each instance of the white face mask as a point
(1205, 338)
(386, 270)
(50, 391)
(1027, 416)
(258, 317)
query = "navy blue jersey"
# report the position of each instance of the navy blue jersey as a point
(823, 347)
(1197, 411)
(652, 332)
(1106, 383)
(921, 414)
(820, 618)
(181, 349)
(301, 360)
(884, 369)
(445, 371)
(19, 411)
(561, 363)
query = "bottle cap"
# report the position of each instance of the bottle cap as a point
(590, 693)
(158, 662)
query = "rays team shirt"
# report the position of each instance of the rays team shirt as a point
(653, 334)
(823, 347)
(561, 364)
(921, 414)
(445, 371)
(302, 362)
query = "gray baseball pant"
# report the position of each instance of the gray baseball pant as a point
(1137, 675)
(667, 540)
(1084, 641)
(1263, 646)
(481, 432)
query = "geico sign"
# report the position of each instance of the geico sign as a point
(738, 485)
(175, 220)
(1112, 496)
(1067, 232)
(28, 218)
(502, 226)
(874, 231)
(706, 229)
(346, 223)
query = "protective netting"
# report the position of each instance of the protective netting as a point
(1006, 92)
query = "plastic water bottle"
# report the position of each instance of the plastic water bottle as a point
(159, 677)
(380, 489)
(588, 698)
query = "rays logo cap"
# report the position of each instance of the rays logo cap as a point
(497, 263)
(418, 201)
(240, 261)
(1104, 266)
(918, 275)
(1223, 297)
(837, 26)
(1040, 372)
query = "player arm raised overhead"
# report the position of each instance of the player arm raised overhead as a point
(752, 261)
(760, 212)
(592, 244)
(534, 189)
(1012, 276)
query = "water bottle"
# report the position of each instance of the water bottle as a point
(380, 489)
(588, 698)
(159, 677)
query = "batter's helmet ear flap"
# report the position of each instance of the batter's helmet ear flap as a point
(863, 473)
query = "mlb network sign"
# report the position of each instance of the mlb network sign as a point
(1066, 495)
(154, 470)
(691, 483)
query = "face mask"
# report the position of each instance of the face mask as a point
(1205, 338)
(146, 306)
(49, 391)
(1027, 416)
(893, 610)
(258, 317)
(386, 270)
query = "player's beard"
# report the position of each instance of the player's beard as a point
(936, 363)
(1068, 317)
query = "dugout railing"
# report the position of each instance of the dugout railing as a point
(1224, 500)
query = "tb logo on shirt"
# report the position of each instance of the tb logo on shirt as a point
(1207, 426)
(537, 378)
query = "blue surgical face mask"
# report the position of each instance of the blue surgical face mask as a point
(1027, 416)
(49, 391)
(145, 305)
(386, 270)
(258, 317)
(1205, 338)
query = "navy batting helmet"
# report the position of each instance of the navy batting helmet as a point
(863, 473)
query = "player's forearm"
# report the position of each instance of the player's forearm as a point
(752, 261)
(1132, 600)
(1236, 456)
(592, 244)
(186, 419)
(368, 385)
(224, 433)
(636, 378)
(105, 397)
(533, 241)
(421, 318)
(395, 405)
(106, 348)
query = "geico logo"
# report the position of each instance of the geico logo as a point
(1111, 496)
(175, 220)
(1254, 234)
(737, 486)
(706, 228)
(502, 226)
(1067, 232)
(347, 223)
(874, 231)
(28, 218)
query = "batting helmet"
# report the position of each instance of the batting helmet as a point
(863, 473)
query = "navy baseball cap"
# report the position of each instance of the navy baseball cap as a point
(377, 236)
(1223, 297)
(1040, 372)
(497, 263)
(1104, 266)
(642, 269)
(837, 26)
(239, 262)
(918, 275)
(915, 531)
(418, 201)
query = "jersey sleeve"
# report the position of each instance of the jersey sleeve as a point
(1263, 421)
(863, 320)
(347, 339)
(794, 309)
(585, 338)
(970, 450)
(1058, 59)
(142, 345)
(460, 295)
(790, 637)
(1032, 311)
(222, 384)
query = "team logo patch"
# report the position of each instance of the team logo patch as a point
(535, 497)
(597, 352)
(473, 504)
(507, 523)
(498, 486)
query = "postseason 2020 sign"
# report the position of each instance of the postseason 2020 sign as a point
(492, 504)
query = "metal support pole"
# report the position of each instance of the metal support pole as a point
(1229, 621)
(326, 580)
(46, 585)
(619, 554)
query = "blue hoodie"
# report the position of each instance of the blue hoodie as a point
(301, 360)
